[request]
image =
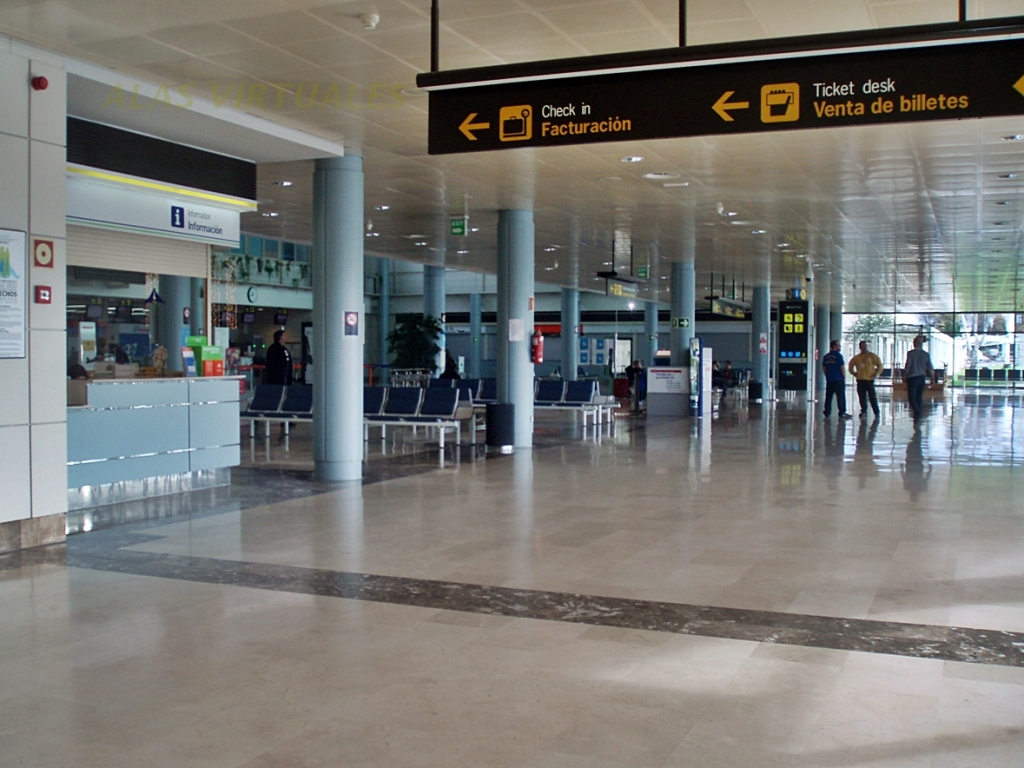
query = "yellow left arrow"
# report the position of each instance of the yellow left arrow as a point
(468, 126)
(1019, 86)
(723, 105)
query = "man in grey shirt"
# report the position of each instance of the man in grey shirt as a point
(915, 372)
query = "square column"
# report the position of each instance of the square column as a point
(515, 319)
(337, 269)
(570, 333)
(434, 306)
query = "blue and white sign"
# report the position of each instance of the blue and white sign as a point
(131, 206)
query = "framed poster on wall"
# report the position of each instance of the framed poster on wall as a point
(13, 304)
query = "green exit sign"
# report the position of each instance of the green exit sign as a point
(459, 225)
(643, 273)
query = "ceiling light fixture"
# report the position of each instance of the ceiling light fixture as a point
(282, 183)
(381, 207)
(661, 175)
(757, 232)
(549, 249)
(1008, 175)
(370, 21)
(421, 242)
(463, 253)
(631, 159)
(474, 229)
(1014, 137)
(269, 214)
(610, 178)
(676, 184)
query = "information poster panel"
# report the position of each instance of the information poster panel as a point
(13, 305)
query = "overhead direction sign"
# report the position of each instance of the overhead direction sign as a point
(867, 83)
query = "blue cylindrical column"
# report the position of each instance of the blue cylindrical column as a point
(197, 287)
(650, 346)
(171, 326)
(835, 325)
(384, 310)
(515, 319)
(683, 309)
(821, 335)
(570, 333)
(761, 327)
(337, 269)
(433, 306)
(476, 340)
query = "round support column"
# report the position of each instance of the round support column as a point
(570, 333)
(515, 319)
(338, 318)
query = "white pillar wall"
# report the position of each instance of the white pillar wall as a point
(176, 293)
(33, 418)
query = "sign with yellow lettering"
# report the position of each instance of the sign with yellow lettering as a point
(873, 78)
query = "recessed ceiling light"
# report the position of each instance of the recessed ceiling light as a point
(269, 214)
(730, 213)
(549, 249)
(283, 183)
(462, 252)
(610, 178)
(549, 269)
(757, 232)
(1008, 175)
(676, 184)
(413, 92)
(661, 175)
(381, 207)
(631, 159)
(739, 223)
(415, 237)
(664, 277)
(783, 245)
(421, 242)
(474, 229)
(607, 263)
(1002, 202)
(1014, 137)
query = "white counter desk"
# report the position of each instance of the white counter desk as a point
(144, 437)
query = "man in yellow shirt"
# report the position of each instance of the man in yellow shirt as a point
(866, 367)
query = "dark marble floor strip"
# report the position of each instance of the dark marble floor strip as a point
(894, 638)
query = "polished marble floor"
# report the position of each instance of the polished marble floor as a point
(770, 588)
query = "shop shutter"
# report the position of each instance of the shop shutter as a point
(131, 252)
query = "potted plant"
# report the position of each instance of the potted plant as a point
(413, 342)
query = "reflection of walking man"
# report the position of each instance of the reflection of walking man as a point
(835, 381)
(866, 367)
(918, 367)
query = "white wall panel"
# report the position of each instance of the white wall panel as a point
(13, 95)
(47, 354)
(13, 392)
(103, 248)
(15, 487)
(49, 469)
(47, 189)
(14, 189)
(54, 315)
(48, 109)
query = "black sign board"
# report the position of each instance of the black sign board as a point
(794, 328)
(859, 84)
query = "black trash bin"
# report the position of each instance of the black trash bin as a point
(755, 391)
(501, 426)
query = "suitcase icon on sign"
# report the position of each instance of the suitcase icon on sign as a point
(516, 123)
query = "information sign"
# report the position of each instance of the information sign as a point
(13, 301)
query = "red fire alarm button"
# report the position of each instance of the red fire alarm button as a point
(44, 294)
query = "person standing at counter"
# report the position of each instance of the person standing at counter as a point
(279, 362)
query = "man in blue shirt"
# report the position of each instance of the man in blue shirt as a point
(835, 381)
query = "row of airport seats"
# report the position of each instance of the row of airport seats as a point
(432, 408)
(276, 403)
(979, 376)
